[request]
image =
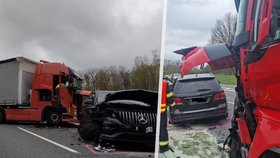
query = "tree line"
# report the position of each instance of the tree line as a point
(143, 75)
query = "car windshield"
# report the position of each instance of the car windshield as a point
(197, 85)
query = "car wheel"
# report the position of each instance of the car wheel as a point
(53, 118)
(2, 115)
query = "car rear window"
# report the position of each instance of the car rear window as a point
(196, 85)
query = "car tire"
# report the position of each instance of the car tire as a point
(53, 118)
(2, 116)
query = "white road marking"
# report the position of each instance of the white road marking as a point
(230, 102)
(50, 141)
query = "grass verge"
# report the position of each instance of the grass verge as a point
(226, 79)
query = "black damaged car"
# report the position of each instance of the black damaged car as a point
(126, 116)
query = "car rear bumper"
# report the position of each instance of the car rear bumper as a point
(180, 116)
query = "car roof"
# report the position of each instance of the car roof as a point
(197, 76)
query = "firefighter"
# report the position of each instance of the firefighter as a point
(166, 100)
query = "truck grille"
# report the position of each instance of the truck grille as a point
(138, 118)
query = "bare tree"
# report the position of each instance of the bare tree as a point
(224, 30)
(145, 73)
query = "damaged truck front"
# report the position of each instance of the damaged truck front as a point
(122, 116)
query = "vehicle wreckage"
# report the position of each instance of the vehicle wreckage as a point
(121, 116)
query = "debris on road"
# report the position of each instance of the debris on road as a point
(195, 144)
(105, 148)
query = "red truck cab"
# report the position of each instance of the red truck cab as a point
(254, 54)
(54, 97)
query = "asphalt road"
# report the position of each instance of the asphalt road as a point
(205, 137)
(20, 140)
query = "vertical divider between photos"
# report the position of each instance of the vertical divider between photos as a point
(164, 13)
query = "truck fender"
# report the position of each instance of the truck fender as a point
(267, 132)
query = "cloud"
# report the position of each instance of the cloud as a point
(82, 33)
(189, 22)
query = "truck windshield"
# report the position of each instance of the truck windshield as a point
(75, 74)
(76, 78)
(241, 20)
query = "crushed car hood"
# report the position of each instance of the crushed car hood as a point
(217, 56)
(149, 97)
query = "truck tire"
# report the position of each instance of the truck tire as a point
(53, 118)
(2, 116)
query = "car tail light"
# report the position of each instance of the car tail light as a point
(178, 101)
(219, 96)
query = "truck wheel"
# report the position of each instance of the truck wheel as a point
(53, 118)
(2, 116)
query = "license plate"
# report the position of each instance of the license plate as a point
(149, 129)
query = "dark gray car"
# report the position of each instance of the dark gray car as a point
(197, 97)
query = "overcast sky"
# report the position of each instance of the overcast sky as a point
(189, 22)
(80, 33)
